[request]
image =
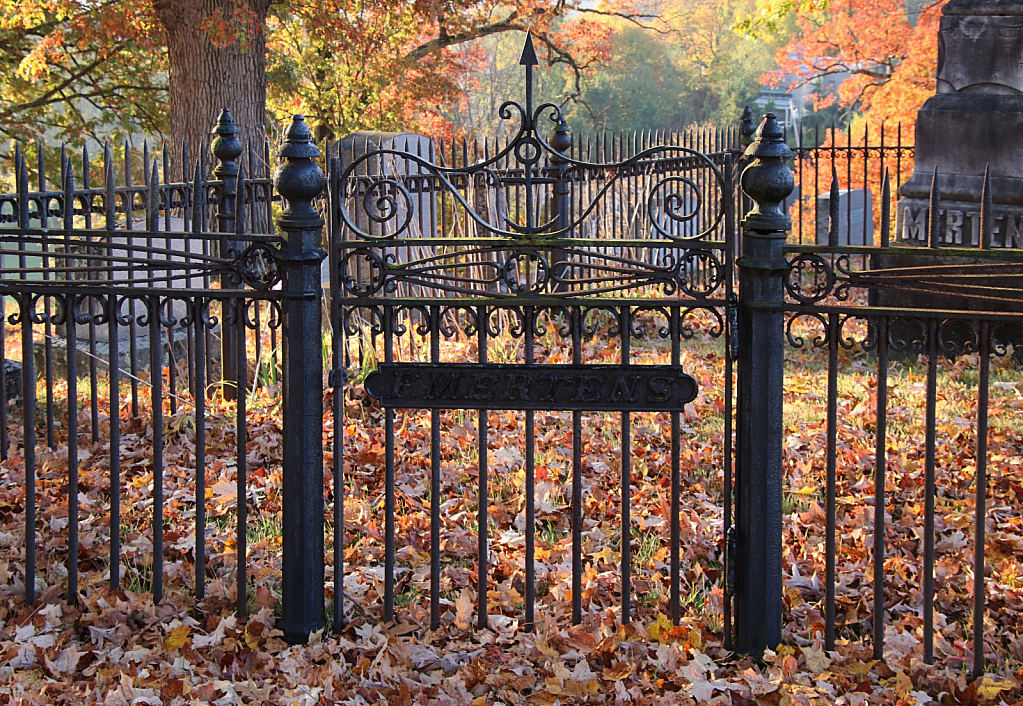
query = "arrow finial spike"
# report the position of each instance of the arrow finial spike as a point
(528, 57)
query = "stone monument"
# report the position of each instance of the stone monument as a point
(974, 120)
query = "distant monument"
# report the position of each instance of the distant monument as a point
(975, 119)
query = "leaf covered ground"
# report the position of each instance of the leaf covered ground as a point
(117, 647)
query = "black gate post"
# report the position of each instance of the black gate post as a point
(299, 180)
(762, 268)
(227, 148)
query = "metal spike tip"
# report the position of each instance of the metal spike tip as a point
(528, 56)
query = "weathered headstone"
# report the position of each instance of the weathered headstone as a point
(855, 217)
(974, 120)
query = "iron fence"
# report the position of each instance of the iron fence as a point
(535, 241)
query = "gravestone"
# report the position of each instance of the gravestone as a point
(975, 119)
(855, 217)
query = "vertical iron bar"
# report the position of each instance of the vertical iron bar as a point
(435, 480)
(929, 452)
(482, 436)
(68, 222)
(115, 439)
(577, 479)
(72, 449)
(199, 323)
(241, 373)
(529, 314)
(156, 378)
(388, 312)
(299, 180)
(625, 330)
(830, 548)
(129, 210)
(28, 401)
(979, 569)
(675, 327)
(93, 357)
(879, 483)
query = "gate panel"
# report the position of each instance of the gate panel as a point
(510, 283)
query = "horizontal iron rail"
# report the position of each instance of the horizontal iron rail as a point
(867, 312)
(533, 242)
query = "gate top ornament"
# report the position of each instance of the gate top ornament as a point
(388, 203)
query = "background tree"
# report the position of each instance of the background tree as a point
(348, 63)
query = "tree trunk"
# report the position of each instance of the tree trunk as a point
(207, 76)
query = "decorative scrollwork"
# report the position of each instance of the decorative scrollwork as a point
(688, 317)
(810, 278)
(526, 272)
(639, 331)
(258, 266)
(356, 322)
(699, 273)
(958, 336)
(797, 341)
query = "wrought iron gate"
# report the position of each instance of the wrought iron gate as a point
(425, 252)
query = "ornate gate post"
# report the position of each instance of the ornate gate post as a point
(299, 180)
(762, 267)
(227, 148)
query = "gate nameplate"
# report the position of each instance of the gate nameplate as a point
(597, 388)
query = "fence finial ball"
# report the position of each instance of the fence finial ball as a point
(562, 139)
(768, 180)
(747, 127)
(226, 146)
(299, 179)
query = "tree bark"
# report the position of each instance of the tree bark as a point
(207, 76)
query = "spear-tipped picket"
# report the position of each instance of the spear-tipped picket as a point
(986, 229)
(833, 210)
(933, 217)
(886, 210)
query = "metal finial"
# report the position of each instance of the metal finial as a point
(747, 127)
(299, 179)
(562, 139)
(768, 180)
(226, 146)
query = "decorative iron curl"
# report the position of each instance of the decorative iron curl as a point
(639, 332)
(899, 326)
(206, 317)
(375, 320)
(690, 261)
(590, 329)
(1001, 335)
(464, 313)
(166, 309)
(672, 204)
(101, 317)
(953, 345)
(511, 272)
(147, 312)
(258, 266)
(796, 341)
(717, 319)
(517, 325)
(123, 313)
(528, 147)
(819, 268)
(377, 272)
(848, 342)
